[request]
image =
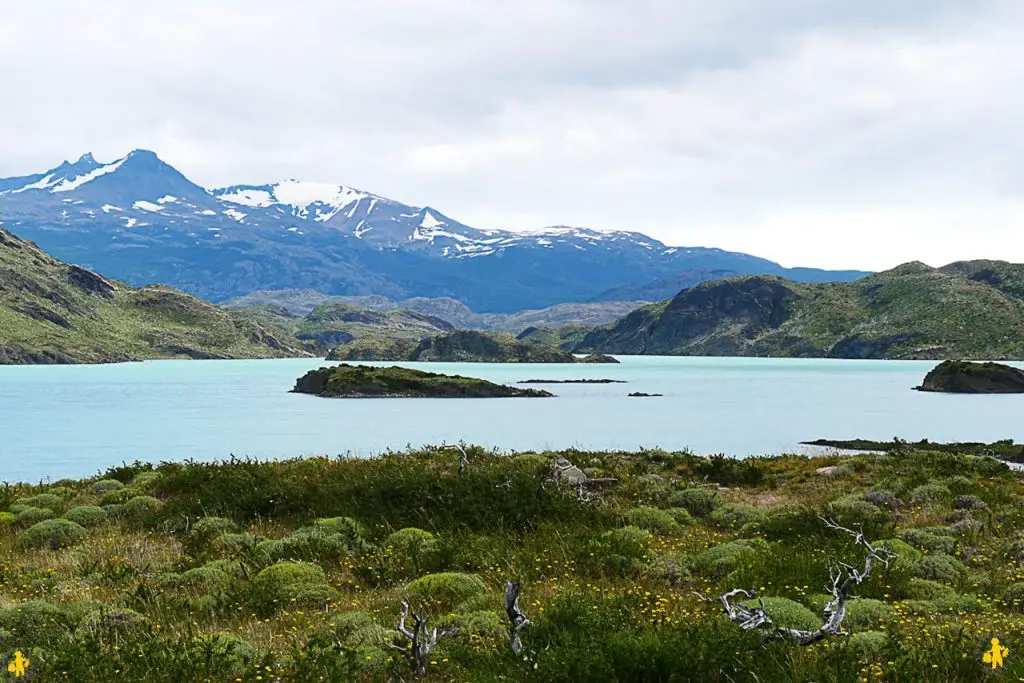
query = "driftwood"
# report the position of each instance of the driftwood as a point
(517, 620)
(843, 579)
(422, 640)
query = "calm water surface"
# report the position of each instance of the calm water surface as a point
(77, 420)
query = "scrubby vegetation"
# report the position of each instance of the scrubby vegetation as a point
(354, 381)
(298, 570)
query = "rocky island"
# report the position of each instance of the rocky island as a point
(964, 377)
(462, 346)
(359, 381)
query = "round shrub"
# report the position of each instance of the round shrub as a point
(220, 656)
(197, 541)
(680, 515)
(203, 577)
(698, 502)
(866, 612)
(869, 644)
(30, 516)
(532, 462)
(672, 569)
(967, 528)
(786, 613)
(959, 485)
(484, 625)
(114, 511)
(17, 509)
(52, 533)
(120, 496)
(786, 523)
(735, 515)
(269, 551)
(42, 500)
(356, 630)
(87, 515)
(722, 559)
(141, 507)
(310, 545)
(444, 591)
(7, 519)
(941, 568)
(883, 500)
(928, 540)
(924, 589)
(652, 519)
(413, 548)
(105, 486)
(852, 511)
(346, 527)
(293, 582)
(145, 479)
(36, 623)
(929, 493)
(620, 552)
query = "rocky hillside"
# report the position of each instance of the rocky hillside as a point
(968, 310)
(52, 312)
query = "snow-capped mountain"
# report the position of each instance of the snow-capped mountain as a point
(140, 220)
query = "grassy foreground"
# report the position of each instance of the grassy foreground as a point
(296, 570)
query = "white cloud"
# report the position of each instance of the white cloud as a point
(814, 132)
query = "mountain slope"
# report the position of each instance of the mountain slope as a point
(912, 311)
(52, 312)
(140, 220)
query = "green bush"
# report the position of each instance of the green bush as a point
(113, 511)
(205, 577)
(1013, 596)
(355, 630)
(722, 559)
(220, 656)
(959, 485)
(30, 516)
(7, 519)
(105, 486)
(349, 529)
(445, 591)
(929, 493)
(786, 613)
(307, 545)
(141, 507)
(293, 582)
(87, 515)
(120, 496)
(235, 545)
(42, 500)
(197, 541)
(735, 515)
(698, 502)
(866, 612)
(925, 589)
(927, 540)
(52, 533)
(941, 568)
(869, 644)
(652, 519)
(852, 511)
(36, 623)
(413, 549)
(621, 552)
(143, 480)
(483, 625)
(112, 623)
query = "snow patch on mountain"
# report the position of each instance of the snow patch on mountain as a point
(143, 205)
(69, 184)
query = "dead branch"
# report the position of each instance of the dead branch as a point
(517, 620)
(844, 578)
(422, 639)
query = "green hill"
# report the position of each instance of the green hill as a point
(53, 312)
(465, 346)
(969, 309)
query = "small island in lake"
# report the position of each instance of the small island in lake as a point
(572, 381)
(1005, 449)
(351, 381)
(964, 377)
(640, 394)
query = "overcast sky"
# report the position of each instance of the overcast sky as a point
(814, 132)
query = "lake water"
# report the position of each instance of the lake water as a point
(74, 421)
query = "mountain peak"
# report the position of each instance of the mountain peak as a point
(86, 158)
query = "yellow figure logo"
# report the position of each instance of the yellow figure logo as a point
(18, 664)
(996, 654)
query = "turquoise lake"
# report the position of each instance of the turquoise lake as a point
(73, 421)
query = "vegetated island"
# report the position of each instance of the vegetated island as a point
(52, 312)
(572, 381)
(296, 570)
(640, 394)
(964, 377)
(360, 381)
(1005, 449)
(462, 346)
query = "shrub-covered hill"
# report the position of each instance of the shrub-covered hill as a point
(360, 381)
(969, 309)
(296, 570)
(460, 346)
(52, 312)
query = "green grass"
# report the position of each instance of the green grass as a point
(160, 596)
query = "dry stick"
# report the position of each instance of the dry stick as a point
(422, 640)
(517, 620)
(844, 579)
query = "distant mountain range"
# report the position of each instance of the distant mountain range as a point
(969, 309)
(141, 221)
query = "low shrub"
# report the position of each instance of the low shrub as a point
(445, 591)
(735, 515)
(928, 540)
(142, 507)
(1013, 596)
(292, 582)
(652, 519)
(412, 549)
(87, 515)
(52, 533)
(867, 613)
(698, 502)
(786, 613)
(7, 519)
(929, 493)
(29, 516)
(925, 589)
(42, 500)
(105, 486)
(220, 656)
(36, 623)
(941, 568)
(722, 559)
